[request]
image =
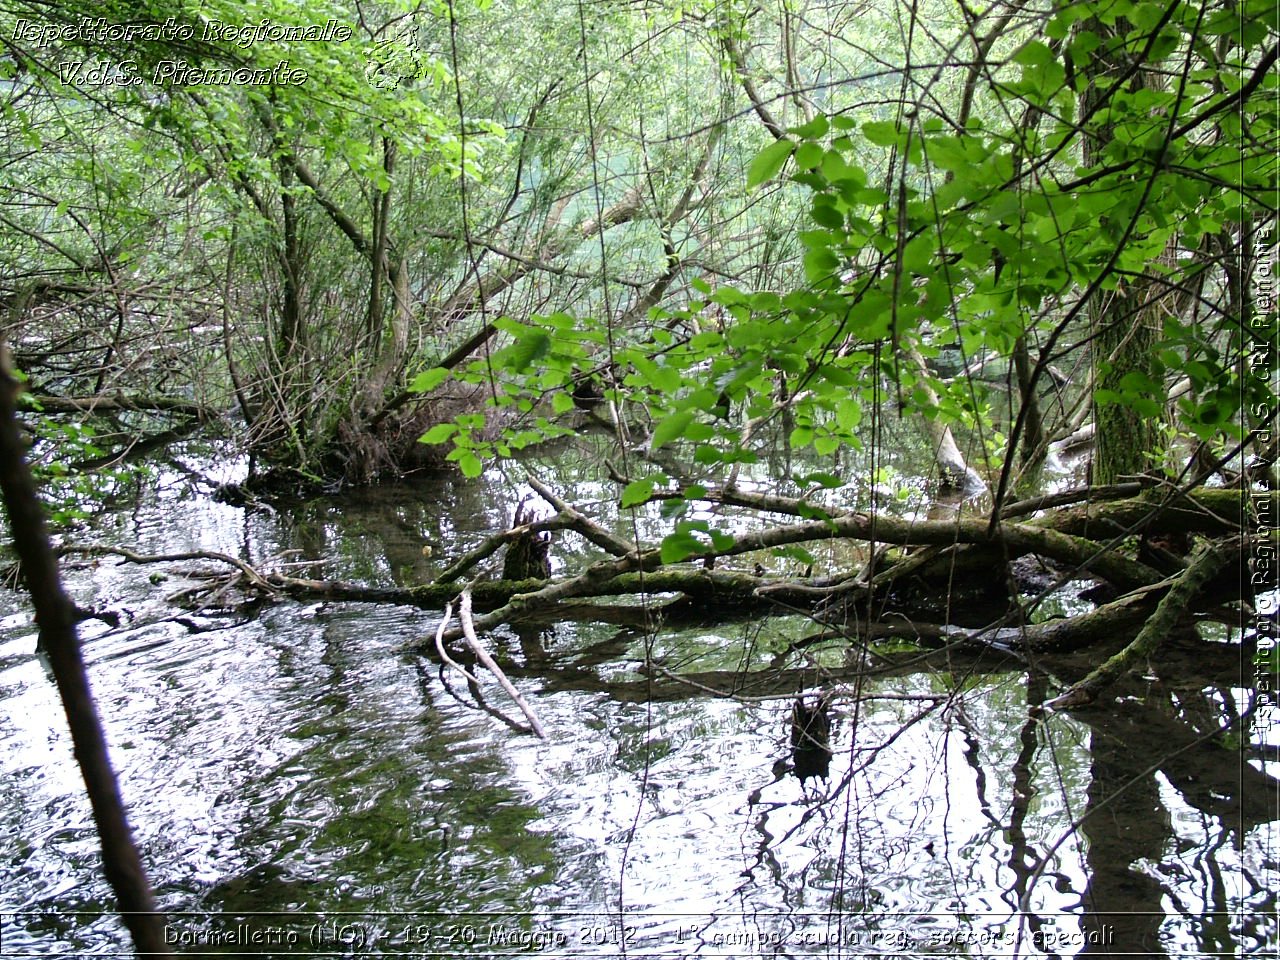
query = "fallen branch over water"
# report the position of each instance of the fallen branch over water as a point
(1207, 561)
(104, 403)
(468, 631)
(968, 551)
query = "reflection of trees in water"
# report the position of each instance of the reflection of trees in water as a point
(830, 851)
(827, 851)
(1123, 903)
(1129, 828)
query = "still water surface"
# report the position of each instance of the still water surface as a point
(300, 782)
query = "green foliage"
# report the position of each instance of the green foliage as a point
(768, 162)
(71, 493)
(617, 219)
(682, 544)
(924, 234)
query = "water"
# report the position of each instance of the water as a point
(299, 782)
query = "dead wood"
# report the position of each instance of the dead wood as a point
(1174, 605)
(524, 529)
(959, 552)
(469, 633)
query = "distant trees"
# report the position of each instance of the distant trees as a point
(797, 211)
(1083, 188)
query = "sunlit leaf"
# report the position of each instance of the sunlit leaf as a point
(768, 162)
(671, 428)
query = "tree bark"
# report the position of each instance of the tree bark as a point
(56, 619)
(1124, 322)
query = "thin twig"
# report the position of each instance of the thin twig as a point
(444, 655)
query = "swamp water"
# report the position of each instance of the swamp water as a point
(301, 784)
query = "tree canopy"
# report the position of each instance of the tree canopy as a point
(721, 228)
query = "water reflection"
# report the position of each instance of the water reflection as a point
(301, 761)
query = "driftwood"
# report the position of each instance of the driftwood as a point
(468, 631)
(482, 656)
(912, 646)
(443, 651)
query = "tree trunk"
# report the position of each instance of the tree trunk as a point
(56, 618)
(1124, 322)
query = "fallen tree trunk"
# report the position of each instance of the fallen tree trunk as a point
(972, 548)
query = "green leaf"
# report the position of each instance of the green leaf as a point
(881, 133)
(768, 162)
(826, 444)
(471, 465)
(828, 480)
(721, 541)
(820, 265)
(1034, 54)
(428, 380)
(793, 552)
(671, 428)
(531, 344)
(808, 156)
(677, 546)
(637, 492)
(848, 414)
(815, 129)
(826, 215)
(439, 433)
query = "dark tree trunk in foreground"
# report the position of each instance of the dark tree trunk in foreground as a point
(56, 619)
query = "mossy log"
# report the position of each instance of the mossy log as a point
(1184, 590)
(975, 547)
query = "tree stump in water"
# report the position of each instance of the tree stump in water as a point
(811, 739)
(529, 554)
